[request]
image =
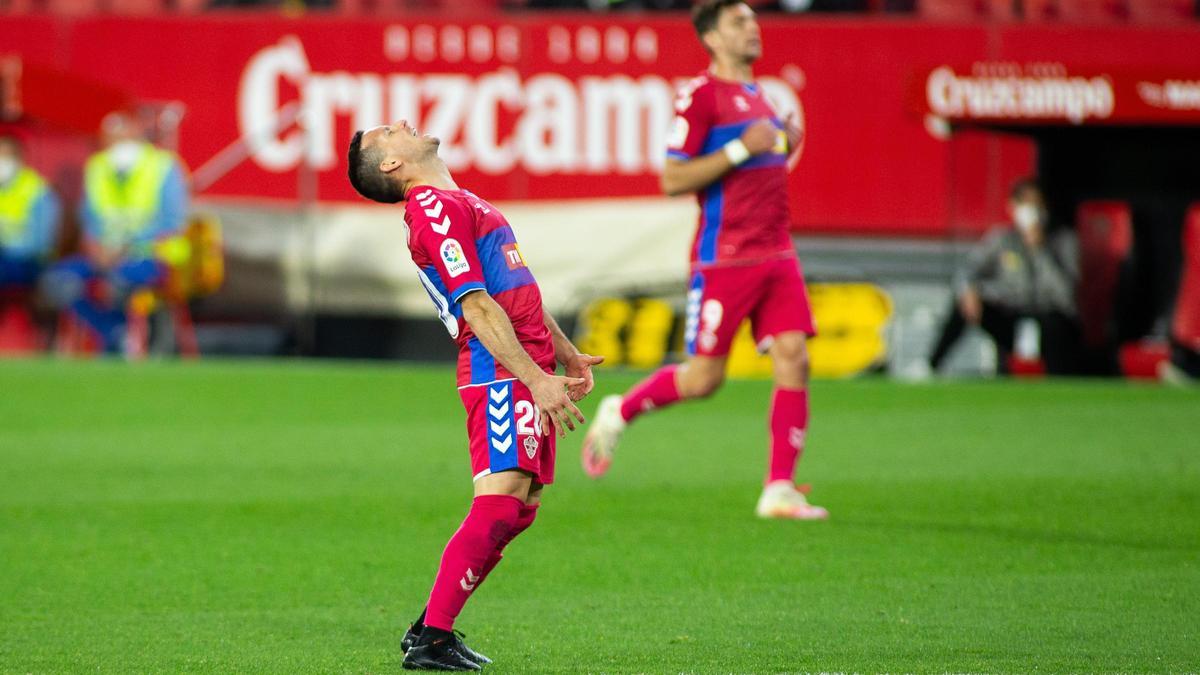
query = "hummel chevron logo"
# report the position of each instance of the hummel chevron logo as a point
(501, 429)
(426, 201)
(423, 195)
(468, 587)
(498, 413)
(498, 395)
(502, 446)
(435, 211)
(442, 227)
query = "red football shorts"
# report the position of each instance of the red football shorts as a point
(771, 294)
(504, 431)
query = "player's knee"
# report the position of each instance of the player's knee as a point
(791, 360)
(525, 518)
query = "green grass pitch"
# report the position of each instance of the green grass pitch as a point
(288, 517)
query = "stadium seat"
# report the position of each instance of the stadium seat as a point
(71, 7)
(19, 6)
(1140, 359)
(1024, 367)
(136, 7)
(18, 333)
(197, 269)
(1185, 328)
(1105, 230)
(1086, 11)
(1162, 10)
(968, 10)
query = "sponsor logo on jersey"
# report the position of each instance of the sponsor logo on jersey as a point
(512, 256)
(741, 103)
(454, 258)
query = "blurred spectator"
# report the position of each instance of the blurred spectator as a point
(133, 206)
(1020, 273)
(29, 219)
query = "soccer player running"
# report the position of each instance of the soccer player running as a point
(728, 146)
(467, 259)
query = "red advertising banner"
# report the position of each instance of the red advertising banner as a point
(550, 106)
(1052, 93)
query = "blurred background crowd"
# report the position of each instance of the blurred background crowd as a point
(1068, 10)
(986, 186)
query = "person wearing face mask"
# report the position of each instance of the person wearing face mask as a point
(1020, 276)
(134, 202)
(29, 218)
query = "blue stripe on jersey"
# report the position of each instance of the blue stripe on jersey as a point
(678, 154)
(483, 365)
(695, 298)
(722, 134)
(713, 198)
(714, 203)
(495, 266)
(463, 290)
(502, 427)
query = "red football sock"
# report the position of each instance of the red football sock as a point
(524, 520)
(489, 521)
(656, 391)
(789, 423)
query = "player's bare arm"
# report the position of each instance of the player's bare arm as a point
(685, 176)
(493, 328)
(574, 362)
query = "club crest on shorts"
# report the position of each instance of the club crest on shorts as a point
(531, 445)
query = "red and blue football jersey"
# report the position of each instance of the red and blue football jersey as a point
(462, 244)
(744, 215)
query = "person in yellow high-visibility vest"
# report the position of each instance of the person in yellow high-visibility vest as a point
(134, 199)
(29, 218)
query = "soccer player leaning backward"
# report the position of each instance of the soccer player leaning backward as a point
(729, 147)
(467, 259)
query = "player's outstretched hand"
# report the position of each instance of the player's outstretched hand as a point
(550, 395)
(760, 137)
(580, 365)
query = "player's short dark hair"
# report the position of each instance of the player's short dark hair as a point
(1022, 186)
(365, 175)
(706, 12)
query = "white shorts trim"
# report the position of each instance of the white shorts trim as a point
(481, 474)
(484, 384)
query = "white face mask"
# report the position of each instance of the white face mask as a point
(125, 154)
(8, 168)
(1027, 217)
